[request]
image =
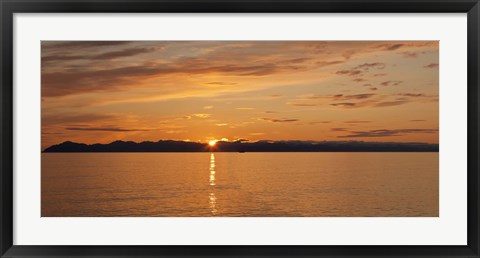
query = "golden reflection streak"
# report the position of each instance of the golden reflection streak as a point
(212, 197)
(212, 169)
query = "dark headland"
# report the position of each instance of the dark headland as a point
(245, 146)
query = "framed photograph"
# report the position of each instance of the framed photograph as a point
(239, 128)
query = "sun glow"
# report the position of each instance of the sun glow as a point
(212, 143)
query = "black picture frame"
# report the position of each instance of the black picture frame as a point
(9, 8)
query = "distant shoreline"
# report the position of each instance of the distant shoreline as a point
(242, 147)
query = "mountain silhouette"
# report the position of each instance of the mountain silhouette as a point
(245, 146)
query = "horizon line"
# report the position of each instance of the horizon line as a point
(243, 145)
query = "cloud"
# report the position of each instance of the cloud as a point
(319, 122)
(359, 80)
(297, 60)
(407, 54)
(342, 96)
(375, 101)
(391, 83)
(202, 115)
(360, 69)
(190, 58)
(303, 104)
(175, 131)
(122, 53)
(431, 66)
(62, 118)
(327, 63)
(107, 129)
(412, 94)
(52, 133)
(69, 45)
(183, 117)
(207, 107)
(345, 99)
(280, 120)
(386, 133)
(390, 103)
(222, 83)
(339, 129)
(60, 58)
(344, 104)
(103, 56)
(410, 54)
(245, 108)
(368, 66)
(349, 72)
(390, 46)
(353, 96)
(357, 122)
(57, 83)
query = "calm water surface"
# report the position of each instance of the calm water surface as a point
(239, 184)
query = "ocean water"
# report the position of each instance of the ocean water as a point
(319, 184)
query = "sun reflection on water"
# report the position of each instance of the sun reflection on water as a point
(212, 169)
(212, 197)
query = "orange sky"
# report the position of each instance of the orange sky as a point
(99, 92)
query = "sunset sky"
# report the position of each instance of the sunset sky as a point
(102, 91)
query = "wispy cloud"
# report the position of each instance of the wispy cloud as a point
(344, 104)
(339, 129)
(273, 120)
(202, 115)
(357, 122)
(103, 56)
(386, 133)
(368, 66)
(222, 83)
(349, 72)
(108, 129)
(62, 118)
(342, 96)
(320, 122)
(361, 69)
(391, 83)
(304, 104)
(411, 54)
(71, 45)
(431, 66)
(390, 103)
(53, 83)
(390, 46)
(415, 95)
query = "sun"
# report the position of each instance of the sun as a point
(212, 143)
